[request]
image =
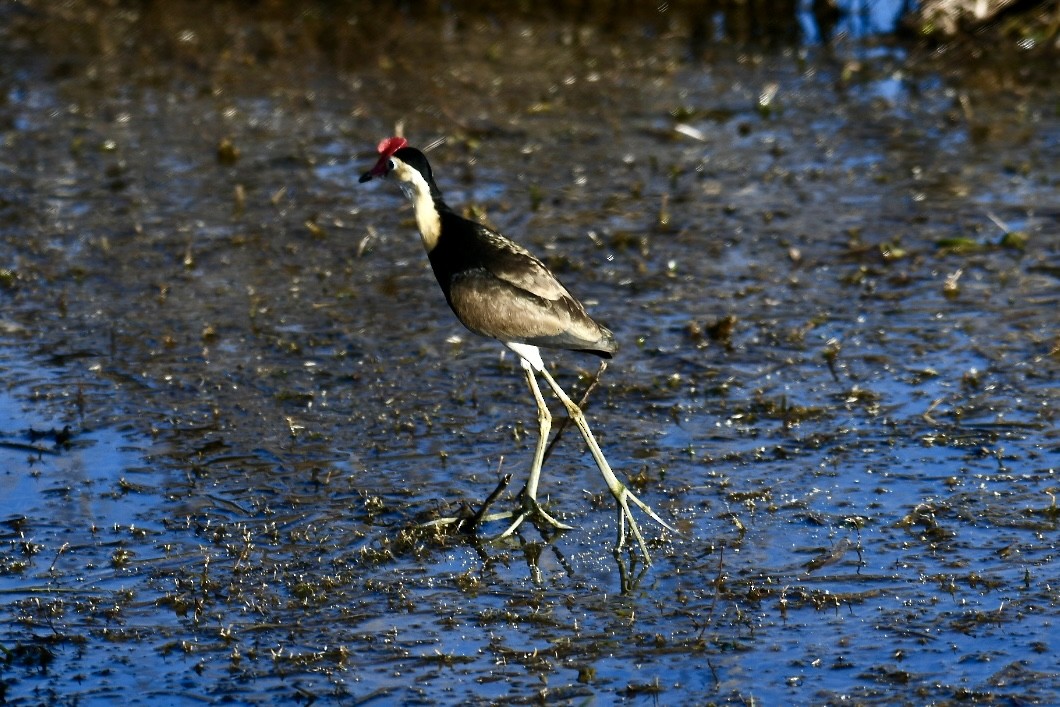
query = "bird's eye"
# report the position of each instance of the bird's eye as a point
(390, 166)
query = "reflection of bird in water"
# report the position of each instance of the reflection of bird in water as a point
(498, 289)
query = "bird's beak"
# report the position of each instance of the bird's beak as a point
(378, 171)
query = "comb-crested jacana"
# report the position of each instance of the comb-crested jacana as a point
(498, 289)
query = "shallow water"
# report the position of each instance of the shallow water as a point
(265, 392)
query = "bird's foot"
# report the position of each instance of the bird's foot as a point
(469, 521)
(622, 496)
(530, 508)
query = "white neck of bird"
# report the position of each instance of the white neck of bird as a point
(418, 192)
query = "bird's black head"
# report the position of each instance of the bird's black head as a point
(405, 165)
(394, 150)
(417, 160)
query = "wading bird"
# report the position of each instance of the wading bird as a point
(499, 290)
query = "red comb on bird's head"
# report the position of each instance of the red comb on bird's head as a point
(391, 145)
(386, 148)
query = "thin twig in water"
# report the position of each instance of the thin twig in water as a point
(476, 520)
(59, 554)
(717, 589)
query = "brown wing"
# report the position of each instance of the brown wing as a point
(506, 293)
(491, 306)
(515, 265)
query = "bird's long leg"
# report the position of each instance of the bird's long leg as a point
(581, 405)
(618, 489)
(544, 425)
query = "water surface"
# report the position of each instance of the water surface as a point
(232, 389)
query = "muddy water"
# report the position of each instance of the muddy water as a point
(232, 390)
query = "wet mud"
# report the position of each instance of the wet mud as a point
(232, 392)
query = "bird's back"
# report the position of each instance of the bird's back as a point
(498, 289)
